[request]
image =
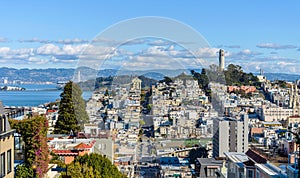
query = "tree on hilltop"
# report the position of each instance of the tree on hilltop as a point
(202, 78)
(234, 75)
(72, 114)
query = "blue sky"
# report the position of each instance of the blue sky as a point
(255, 34)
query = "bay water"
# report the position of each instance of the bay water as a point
(34, 95)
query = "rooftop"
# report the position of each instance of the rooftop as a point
(256, 157)
(209, 161)
(84, 145)
(5, 129)
(268, 168)
(238, 158)
(271, 123)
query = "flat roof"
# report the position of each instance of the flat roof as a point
(209, 161)
(273, 122)
(237, 157)
(268, 168)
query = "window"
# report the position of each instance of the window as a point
(250, 174)
(211, 172)
(93, 131)
(257, 174)
(9, 161)
(18, 141)
(2, 172)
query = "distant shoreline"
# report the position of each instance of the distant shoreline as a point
(12, 88)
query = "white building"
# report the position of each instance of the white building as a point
(230, 135)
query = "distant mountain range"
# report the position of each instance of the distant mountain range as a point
(54, 75)
(36, 75)
(281, 76)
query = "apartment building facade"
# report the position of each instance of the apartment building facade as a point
(230, 135)
(6, 146)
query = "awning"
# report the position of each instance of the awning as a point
(213, 167)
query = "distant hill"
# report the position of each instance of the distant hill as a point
(281, 76)
(154, 75)
(108, 82)
(54, 75)
(36, 75)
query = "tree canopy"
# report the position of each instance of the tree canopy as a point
(202, 78)
(72, 113)
(93, 166)
(200, 152)
(234, 75)
(167, 80)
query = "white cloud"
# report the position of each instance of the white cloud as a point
(245, 54)
(3, 40)
(46, 53)
(8, 53)
(65, 50)
(275, 46)
(48, 49)
(163, 55)
(45, 41)
(229, 46)
(283, 63)
(207, 52)
(271, 64)
(135, 41)
(248, 52)
(4, 50)
(34, 40)
(72, 41)
(159, 42)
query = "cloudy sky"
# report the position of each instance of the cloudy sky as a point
(56, 34)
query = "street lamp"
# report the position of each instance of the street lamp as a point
(297, 138)
(34, 170)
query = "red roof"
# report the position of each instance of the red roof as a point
(257, 130)
(48, 111)
(83, 146)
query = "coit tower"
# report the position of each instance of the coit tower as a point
(221, 60)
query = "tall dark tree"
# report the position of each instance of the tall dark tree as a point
(167, 80)
(202, 78)
(200, 152)
(72, 113)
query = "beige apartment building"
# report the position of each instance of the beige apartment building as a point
(6, 146)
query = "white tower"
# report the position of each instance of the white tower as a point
(221, 59)
(78, 76)
(291, 96)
